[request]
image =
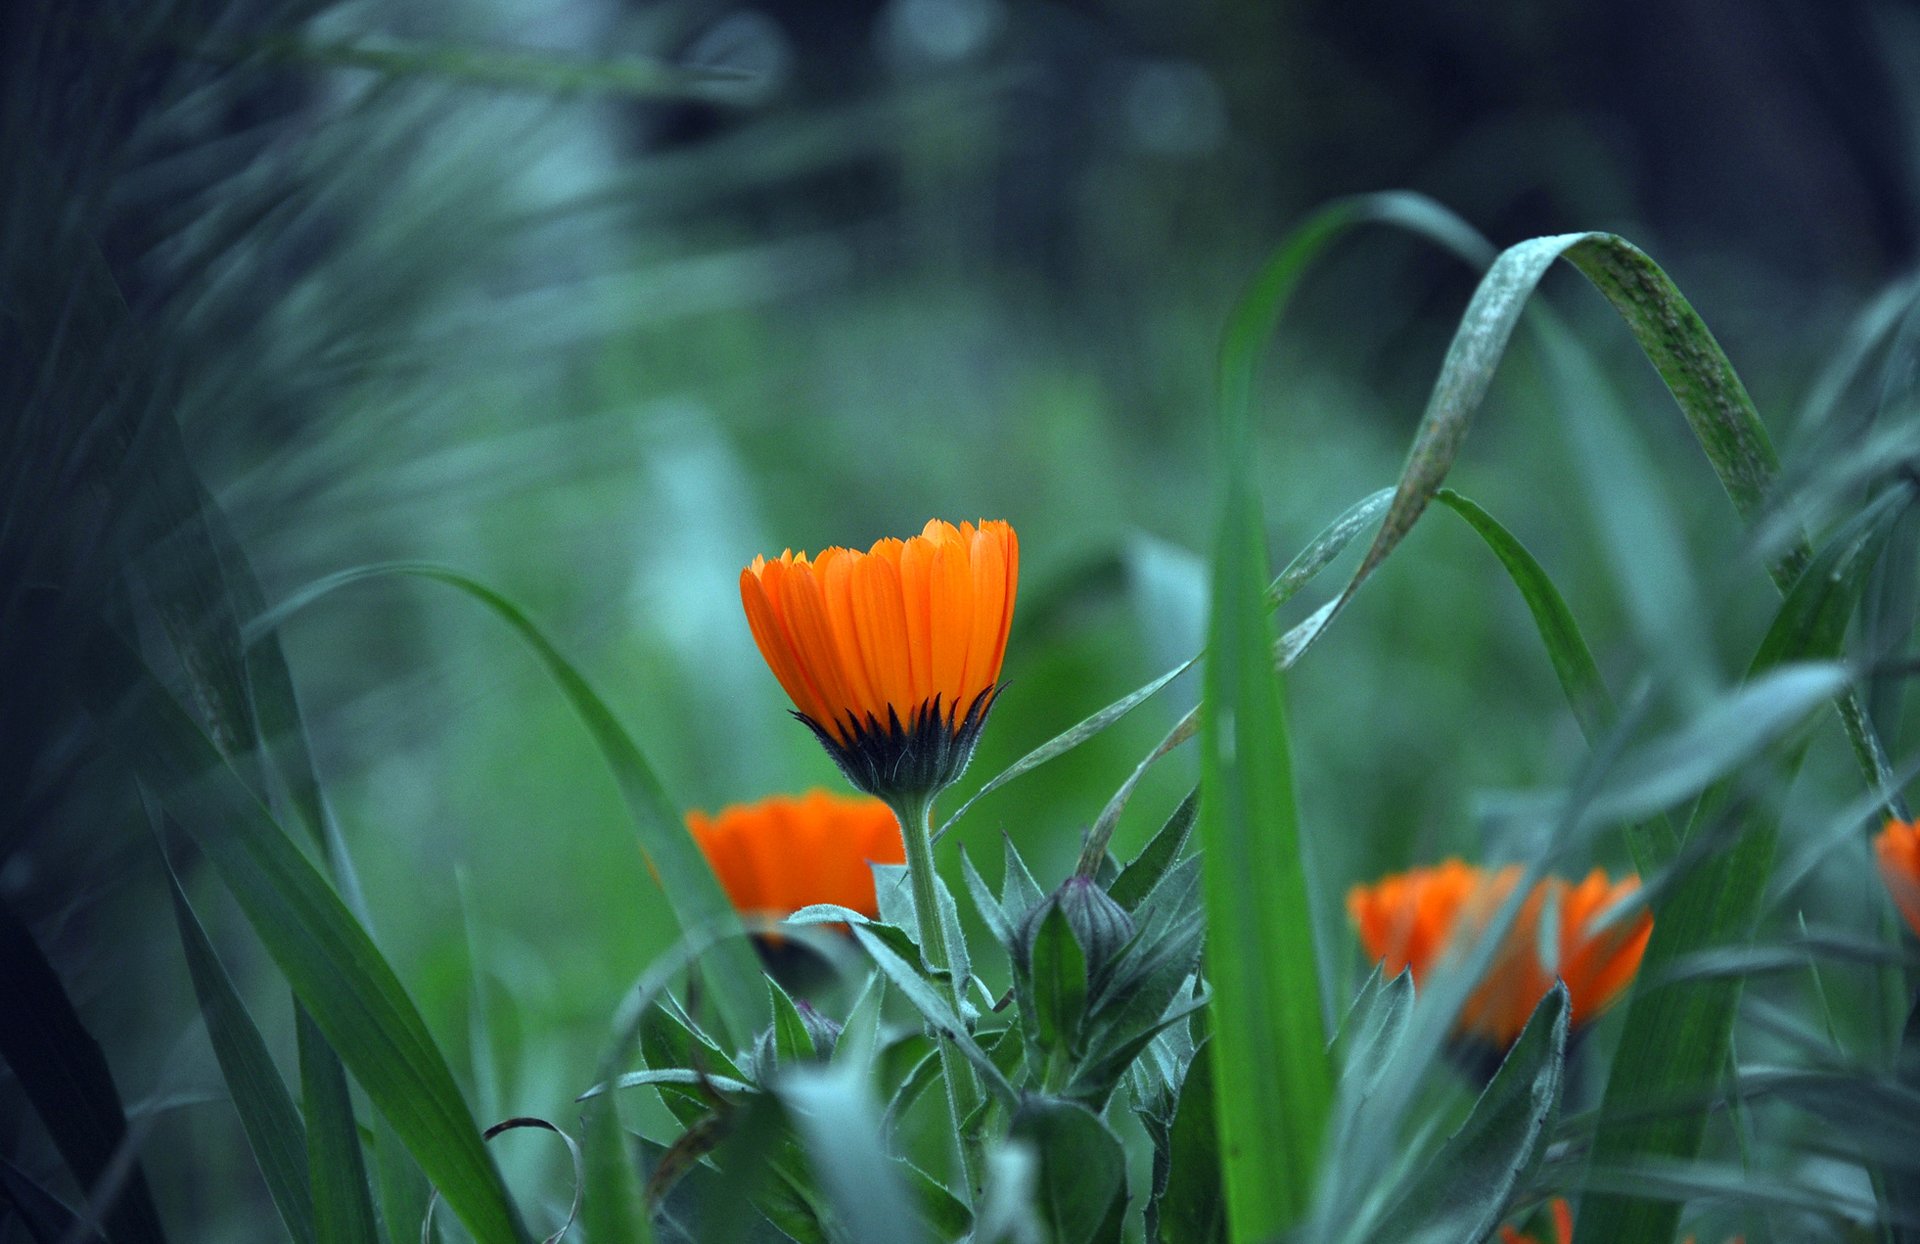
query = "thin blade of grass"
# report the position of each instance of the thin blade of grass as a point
(334, 967)
(274, 1128)
(342, 1195)
(691, 891)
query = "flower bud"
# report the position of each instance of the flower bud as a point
(1099, 924)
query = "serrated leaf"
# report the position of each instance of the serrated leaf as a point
(1192, 1210)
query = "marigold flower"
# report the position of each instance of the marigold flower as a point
(1413, 920)
(1898, 850)
(892, 656)
(786, 852)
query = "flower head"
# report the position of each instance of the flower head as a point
(1414, 920)
(1898, 849)
(892, 656)
(787, 852)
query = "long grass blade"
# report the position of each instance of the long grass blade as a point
(272, 1122)
(336, 1165)
(1272, 1077)
(334, 967)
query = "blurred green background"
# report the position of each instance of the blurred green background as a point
(598, 340)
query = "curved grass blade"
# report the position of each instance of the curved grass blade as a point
(1273, 1079)
(1677, 1035)
(690, 888)
(1567, 649)
(275, 1131)
(334, 967)
(65, 1078)
(579, 1176)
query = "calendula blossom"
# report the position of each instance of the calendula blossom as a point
(1897, 848)
(785, 852)
(891, 657)
(1414, 920)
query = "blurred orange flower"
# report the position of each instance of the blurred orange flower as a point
(787, 852)
(1413, 920)
(1562, 1227)
(891, 656)
(1898, 850)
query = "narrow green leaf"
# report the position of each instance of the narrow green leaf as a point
(1463, 1192)
(272, 1122)
(1273, 1080)
(688, 883)
(1903, 1186)
(1139, 877)
(65, 1077)
(791, 1040)
(1374, 1028)
(1193, 1207)
(342, 1195)
(1083, 1169)
(333, 966)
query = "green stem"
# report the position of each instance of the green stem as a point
(963, 1094)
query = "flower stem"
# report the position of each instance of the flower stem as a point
(963, 1094)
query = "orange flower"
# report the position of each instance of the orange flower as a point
(787, 852)
(891, 656)
(1898, 849)
(1562, 1227)
(1413, 920)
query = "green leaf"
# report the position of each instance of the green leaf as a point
(838, 1124)
(333, 966)
(1273, 1080)
(342, 1197)
(1082, 1185)
(1677, 1033)
(1464, 1191)
(1058, 985)
(1375, 1026)
(65, 1077)
(984, 902)
(1193, 1207)
(1139, 877)
(791, 1040)
(272, 1122)
(688, 883)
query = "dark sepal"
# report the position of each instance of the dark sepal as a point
(912, 761)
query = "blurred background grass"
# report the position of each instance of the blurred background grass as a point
(598, 341)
